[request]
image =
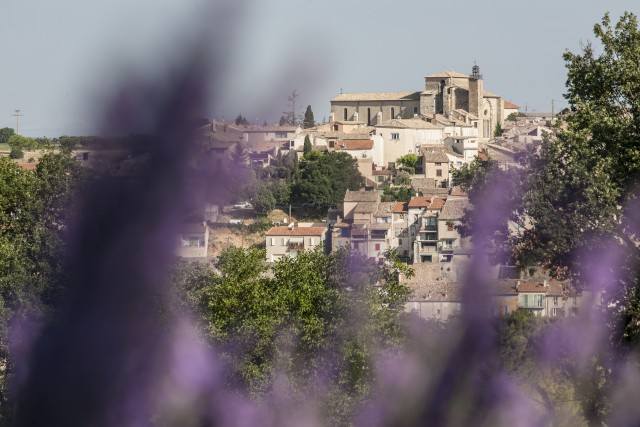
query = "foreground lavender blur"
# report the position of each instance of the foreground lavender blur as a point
(107, 361)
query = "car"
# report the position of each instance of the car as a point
(243, 205)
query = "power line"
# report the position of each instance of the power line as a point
(17, 115)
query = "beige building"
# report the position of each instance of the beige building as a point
(374, 108)
(365, 225)
(444, 93)
(436, 165)
(193, 240)
(405, 136)
(290, 241)
(432, 297)
(449, 240)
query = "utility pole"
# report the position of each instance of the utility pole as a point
(292, 100)
(17, 115)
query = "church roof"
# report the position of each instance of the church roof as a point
(408, 124)
(448, 74)
(510, 105)
(487, 94)
(378, 96)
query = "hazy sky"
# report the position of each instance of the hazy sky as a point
(63, 58)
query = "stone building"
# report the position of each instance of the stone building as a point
(446, 93)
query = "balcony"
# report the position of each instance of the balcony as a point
(429, 228)
(427, 249)
(378, 235)
(295, 246)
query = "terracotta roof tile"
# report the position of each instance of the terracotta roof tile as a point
(361, 196)
(510, 105)
(296, 231)
(400, 207)
(354, 144)
(377, 96)
(454, 208)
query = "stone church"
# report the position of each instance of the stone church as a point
(449, 93)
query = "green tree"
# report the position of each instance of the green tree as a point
(297, 318)
(396, 194)
(240, 120)
(497, 132)
(43, 142)
(324, 179)
(34, 211)
(16, 153)
(5, 134)
(410, 160)
(68, 143)
(402, 178)
(307, 145)
(239, 154)
(22, 142)
(512, 117)
(262, 200)
(281, 191)
(308, 122)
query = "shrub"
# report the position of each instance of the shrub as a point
(16, 153)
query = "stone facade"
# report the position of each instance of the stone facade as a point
(444, 93)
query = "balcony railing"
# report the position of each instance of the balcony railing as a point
(296, 246)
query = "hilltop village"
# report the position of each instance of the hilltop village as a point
(416, 139)
(406, 147)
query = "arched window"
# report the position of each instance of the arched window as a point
(368, 116)
(393, 113)
(345, 114)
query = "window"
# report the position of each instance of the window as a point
(415, 110)
(312, 241)
(393, 113)
(339, 243)
(449, 226)
(395, 136)
(399, 241)
(273, 241)
(438, 163)
(555, 300)
(575, 301)
(555, 312)
(438, 172)
(345, 114)
(377, 246)
(368, 116)
(437, 311)
(574, 311)
(335, 128)
(281, 134)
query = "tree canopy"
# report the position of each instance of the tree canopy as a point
(298, 319)
(577, 194)
(325, 178)
(308, 122)
(33, 216)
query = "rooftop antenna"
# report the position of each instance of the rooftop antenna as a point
(17, 115)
